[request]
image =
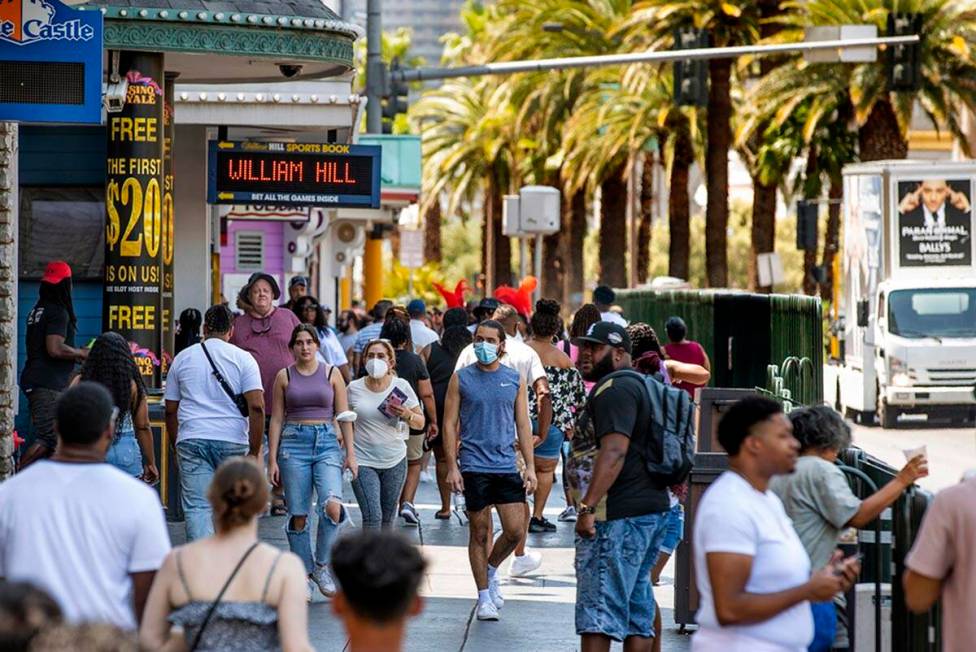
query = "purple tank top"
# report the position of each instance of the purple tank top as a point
(309, 398)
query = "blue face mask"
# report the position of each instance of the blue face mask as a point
(486, 352)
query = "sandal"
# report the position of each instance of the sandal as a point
(278, 508)
(443, 516)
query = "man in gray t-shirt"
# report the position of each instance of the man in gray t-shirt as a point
(817, 497)
(820, 503)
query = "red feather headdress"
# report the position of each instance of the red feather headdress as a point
(453, 299)
(519, 298)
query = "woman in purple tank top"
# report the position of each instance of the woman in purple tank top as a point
(304, 454)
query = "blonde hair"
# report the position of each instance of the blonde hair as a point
(391, 353)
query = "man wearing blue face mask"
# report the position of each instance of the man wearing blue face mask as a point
(487, 405)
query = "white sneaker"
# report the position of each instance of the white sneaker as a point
(426, 477)
(409, 514)
(323, 579)
(495, 592)
(522, 566)
(308, 591)
(487, 610)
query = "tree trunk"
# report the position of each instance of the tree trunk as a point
(432, 233)
(763, 229)
(574, 237)
(832, 236)
(880, 137)
(679, 203)
(501, 250)
(719, 136)
(613, 229)
(646, 218)
(811, 192)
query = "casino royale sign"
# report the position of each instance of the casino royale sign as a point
(290, 174)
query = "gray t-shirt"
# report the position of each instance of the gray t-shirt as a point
(820, 503)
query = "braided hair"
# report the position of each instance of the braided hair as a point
(60, 294)
(218, 320)
(111, 364)
(645, 348)
(586, 316)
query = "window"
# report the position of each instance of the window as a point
(932, 312)
(249, 248)
(62, 224)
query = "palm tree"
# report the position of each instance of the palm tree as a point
(882, 116)
(467, 144)
(653, 23)
(562, 28)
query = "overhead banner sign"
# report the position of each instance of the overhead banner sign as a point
(294, 174)
(50, 62)
(934, 222)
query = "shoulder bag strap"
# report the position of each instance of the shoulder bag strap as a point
(219, 376)
(213, 607)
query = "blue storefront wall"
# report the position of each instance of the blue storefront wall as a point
(87, 299)
(60, 157)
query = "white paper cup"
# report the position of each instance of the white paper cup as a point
(912, 453)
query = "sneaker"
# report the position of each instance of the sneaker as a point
(322, 577)
(541, 525)
(426, 477)
(522, 566)
(308, 591)
(487, 610)
(409, 514)
(495, 591)
(568, 515)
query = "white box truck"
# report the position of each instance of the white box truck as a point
(905, 326)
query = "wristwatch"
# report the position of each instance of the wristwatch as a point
(585, 509)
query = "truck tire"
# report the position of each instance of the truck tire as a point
(887, 415)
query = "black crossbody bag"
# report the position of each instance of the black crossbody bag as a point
(239, 400)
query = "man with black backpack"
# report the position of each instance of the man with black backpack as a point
(623, 506)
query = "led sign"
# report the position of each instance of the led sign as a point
(304, 174)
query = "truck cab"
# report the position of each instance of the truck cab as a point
(925, 347)
(904, 311)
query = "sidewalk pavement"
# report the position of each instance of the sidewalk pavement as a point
(538, 614)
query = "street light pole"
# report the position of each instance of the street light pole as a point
(374, 66)
(651, 56)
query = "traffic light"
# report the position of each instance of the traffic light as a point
(690, 75)
(807, 215)
(903, 62)
(395, 97)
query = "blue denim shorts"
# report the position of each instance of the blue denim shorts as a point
(124, 454)
(675, 530)
(550, 446)
(613, 577)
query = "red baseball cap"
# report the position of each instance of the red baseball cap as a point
(56, 272)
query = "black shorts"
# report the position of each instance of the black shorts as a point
(485, 489)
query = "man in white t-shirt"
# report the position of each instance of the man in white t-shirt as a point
(420, 333)
(203, 417)
(90, 535)
(527, 362)
(753, 574)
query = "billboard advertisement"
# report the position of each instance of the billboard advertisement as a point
(934, 222)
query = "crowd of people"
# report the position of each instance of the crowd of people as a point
(272, 410)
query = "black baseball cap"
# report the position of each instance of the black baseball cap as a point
(605, 332)
(297, 280)
(487, 306)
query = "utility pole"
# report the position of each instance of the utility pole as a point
(375, 73)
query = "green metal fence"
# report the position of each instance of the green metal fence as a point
(743, 334)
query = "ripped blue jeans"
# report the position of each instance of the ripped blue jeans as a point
(310, 459)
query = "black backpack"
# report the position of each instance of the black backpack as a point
(669, 453)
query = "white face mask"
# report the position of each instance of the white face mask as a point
(377, 368)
